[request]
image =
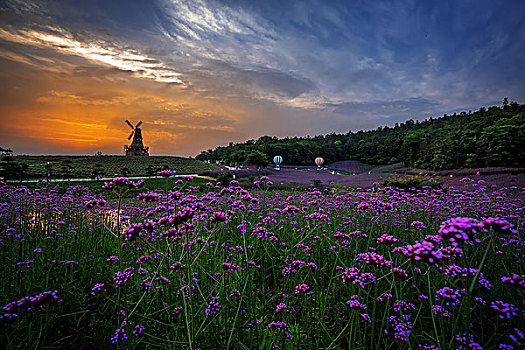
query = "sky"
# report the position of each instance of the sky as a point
(201, 74)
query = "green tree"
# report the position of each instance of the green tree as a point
(12, 170)
(504, 145)
(257, 158)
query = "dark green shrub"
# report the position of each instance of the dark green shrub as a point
(413, 182)
(225, 178)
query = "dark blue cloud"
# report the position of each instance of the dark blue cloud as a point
(340, 59)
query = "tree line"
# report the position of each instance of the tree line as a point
(489, 137)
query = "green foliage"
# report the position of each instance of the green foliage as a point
(225, 178)
(488, 137)
(12, 170)
(257, 158)
(413, 182)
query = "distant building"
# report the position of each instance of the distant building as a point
(137, 147)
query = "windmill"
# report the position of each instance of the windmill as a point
(137, 147)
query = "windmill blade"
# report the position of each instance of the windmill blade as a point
(138, 124)
(130, 125)
(131, 135)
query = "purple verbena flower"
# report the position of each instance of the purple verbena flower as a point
(138, 330)
(213, 307)
(449, 296)
(98, 288)
(503, 309)
(424, 252)
(301, 288)
(120, 335)
(165, 173)
(459, 230)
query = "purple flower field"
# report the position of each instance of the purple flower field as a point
(211, 267)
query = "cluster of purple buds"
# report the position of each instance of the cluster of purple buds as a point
(424, 252)
(363, 206)
(121, 182)
(503, 309)
(438, 310)
(301, 288)
(137, 184)
(32, 303)
(515, 279)
(403, 305)
(113, 259)
(166, 173)
(418, 225)
(94, 202)
(120, 335)
(499, 225)
(469, 343)
(366, 318)
(148, 226)
(278, 324)
(181, 217)
(449, 296)
(290, 210)
(229, 267)
(450, 252)
(400, 274)
(517, 336)
(459, 230)
(149, 196)
(7, 318)
(402, 327)
(282, 307)
(353, 275)
(354, 304)
(120, 278)
(138, 330)
(98, 288)
(133, 232)
(219, 217)
(373, 259)
(213, 307)
(177, 266)
(387, 239)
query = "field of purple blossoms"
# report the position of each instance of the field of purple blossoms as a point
(214, 267)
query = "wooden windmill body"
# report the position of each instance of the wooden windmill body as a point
(137, 147)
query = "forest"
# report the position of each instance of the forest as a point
(489, 137)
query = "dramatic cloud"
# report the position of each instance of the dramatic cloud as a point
(201, 73)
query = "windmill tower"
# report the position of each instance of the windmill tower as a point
(137, 147)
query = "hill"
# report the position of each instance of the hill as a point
(91, 166)
(490, 137)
